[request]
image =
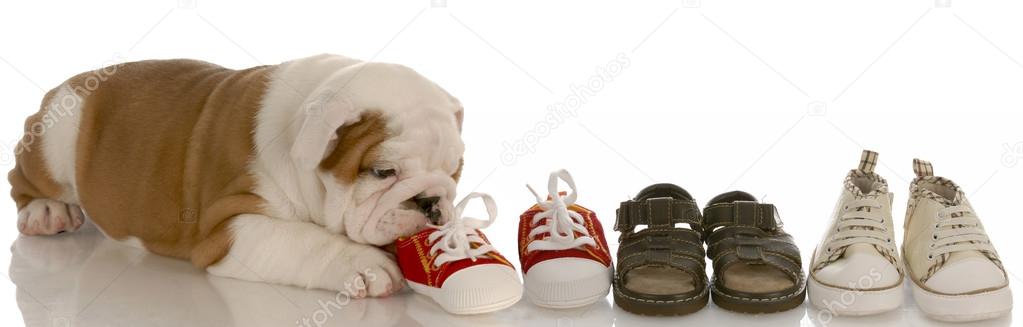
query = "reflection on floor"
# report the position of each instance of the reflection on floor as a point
(82, 279)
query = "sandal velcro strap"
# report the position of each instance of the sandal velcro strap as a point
(751, 248)
(742, 233)
(686, 240)
(741, 214)
(749, 252)
(775, 253)
(787, 262)
(657, 213)
(674, 248)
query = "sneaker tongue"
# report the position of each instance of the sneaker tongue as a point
(869, 188)
(876, 188)
(862, 248)
(873, 195)
(861, 183)
(956, 200)
(869, 196)
(943, 191)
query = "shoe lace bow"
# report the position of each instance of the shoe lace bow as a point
(459, 237)
(566, 228)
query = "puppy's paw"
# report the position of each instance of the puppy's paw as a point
(369, 271)
(49, 217)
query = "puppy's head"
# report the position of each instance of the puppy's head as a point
(386, 144)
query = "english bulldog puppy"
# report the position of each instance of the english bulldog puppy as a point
(292, 173)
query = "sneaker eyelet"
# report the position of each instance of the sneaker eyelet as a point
(930, 257)
(934, 237)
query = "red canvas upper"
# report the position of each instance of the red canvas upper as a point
(416, 263)
(599, 252)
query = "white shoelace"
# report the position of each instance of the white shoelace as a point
(561, 224)
(455, 238)
(958, 229)
(861, 222)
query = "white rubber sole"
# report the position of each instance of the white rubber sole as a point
(568, 293)
(566, 304)
(846, 302)
(962, 308)
(466, 302)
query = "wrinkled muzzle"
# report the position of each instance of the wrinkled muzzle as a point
(433, 193)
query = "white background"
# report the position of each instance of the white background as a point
(772, 97)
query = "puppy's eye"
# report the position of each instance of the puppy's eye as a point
(384, 172)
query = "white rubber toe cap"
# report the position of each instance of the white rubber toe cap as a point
(860, 268)
(966, 274)
(477, 289)
(964, 307)
(567, 282)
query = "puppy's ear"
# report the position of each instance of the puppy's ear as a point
(356, 147)
(459, 112)
(458, 118)
(458, 172)
(325, 113)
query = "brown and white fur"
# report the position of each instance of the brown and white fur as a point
(275, 173)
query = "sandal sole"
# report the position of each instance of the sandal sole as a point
(759, 305)
(649, 307)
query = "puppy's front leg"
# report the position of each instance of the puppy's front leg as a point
(303, 254)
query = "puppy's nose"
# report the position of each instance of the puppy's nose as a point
(429, 206)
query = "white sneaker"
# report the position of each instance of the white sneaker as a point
(855, 269)
(956, 272)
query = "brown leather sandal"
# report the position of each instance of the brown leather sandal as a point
(757, 267)
(661, 269)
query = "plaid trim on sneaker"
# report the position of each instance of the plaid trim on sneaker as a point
(925, 175)
(922, 168)
(868, 160)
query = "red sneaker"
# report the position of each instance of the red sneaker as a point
(564, 256)
(455, 265)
